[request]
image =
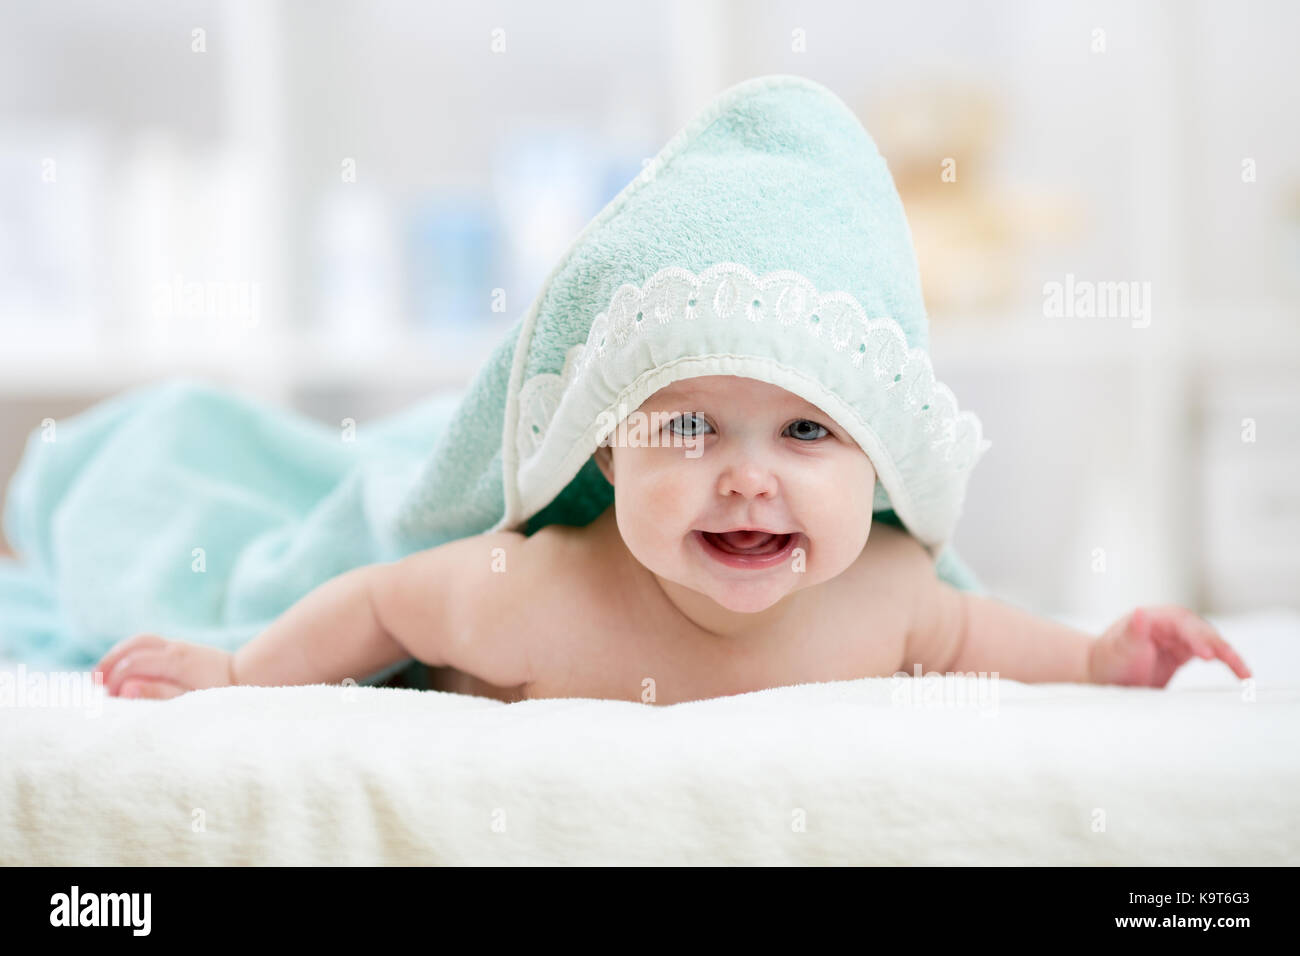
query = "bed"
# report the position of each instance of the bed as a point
(885, 771)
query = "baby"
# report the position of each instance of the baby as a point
(747, 561)
(754, 297)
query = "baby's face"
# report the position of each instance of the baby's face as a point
(720, 452)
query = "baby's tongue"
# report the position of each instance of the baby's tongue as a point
(746, 540)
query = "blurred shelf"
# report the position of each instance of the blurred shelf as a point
(437, 358)
(410, 361)
(1202, 336)
(984, 342)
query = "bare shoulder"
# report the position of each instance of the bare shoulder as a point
(469, 603)
(896, 554)
(935, 609)
(905, 569)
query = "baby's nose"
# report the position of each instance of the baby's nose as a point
(748, 478)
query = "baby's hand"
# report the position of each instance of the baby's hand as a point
(1146, 647)
(146, 665)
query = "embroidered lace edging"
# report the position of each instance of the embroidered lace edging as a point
(729, 291)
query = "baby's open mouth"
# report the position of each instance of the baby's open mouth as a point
(750, 543)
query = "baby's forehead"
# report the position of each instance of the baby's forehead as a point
(726, 388)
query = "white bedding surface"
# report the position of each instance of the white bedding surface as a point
(1196, 774)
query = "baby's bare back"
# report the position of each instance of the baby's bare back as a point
(601, 626)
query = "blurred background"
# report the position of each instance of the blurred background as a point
(341, 206)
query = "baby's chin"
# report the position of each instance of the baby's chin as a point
(739, 598)
(743, 592)
(739, 601)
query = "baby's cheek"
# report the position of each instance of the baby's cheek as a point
(658, 505)
(839, 515)
(666, 500)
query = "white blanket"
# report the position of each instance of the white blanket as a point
(857, 772)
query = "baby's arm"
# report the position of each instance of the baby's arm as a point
(443, 606)
(332, 633)
(470, 604)
(957, 631)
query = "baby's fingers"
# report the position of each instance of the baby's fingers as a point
(1226, 654)
(1194, 631)
(1174, 647)
(169, 662)
(1183, 629)
(124, 647)
(1209, 644)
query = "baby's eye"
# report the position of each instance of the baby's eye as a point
(802, 432)
(693, 424)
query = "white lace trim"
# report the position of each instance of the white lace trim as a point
(728, 291)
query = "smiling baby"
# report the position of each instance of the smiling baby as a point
(740, 554)
(753, 299)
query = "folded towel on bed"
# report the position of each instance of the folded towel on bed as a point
(187, 510)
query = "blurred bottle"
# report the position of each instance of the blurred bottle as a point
(52, 270)
(549, 180)
(452, 257)
(358, 269)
